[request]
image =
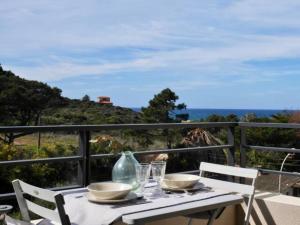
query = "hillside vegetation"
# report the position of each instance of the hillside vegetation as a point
(82, 112)
(25, 102)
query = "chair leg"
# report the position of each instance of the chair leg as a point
(248, 212)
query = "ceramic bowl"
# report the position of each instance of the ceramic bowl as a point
(109, 190)
(180, 181)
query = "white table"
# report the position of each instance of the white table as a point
(82, 212)
(183, 209)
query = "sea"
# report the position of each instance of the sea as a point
(198, 114)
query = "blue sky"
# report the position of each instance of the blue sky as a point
(213, 54)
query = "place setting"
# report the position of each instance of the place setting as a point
(118, 193)
(175, 182)
(186, 183)
(142, 189)
(110, 192)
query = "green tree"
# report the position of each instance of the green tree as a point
(86, 98)
(281, 117)
(162, 108)
(23, 101)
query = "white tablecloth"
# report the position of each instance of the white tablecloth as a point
(83, 212)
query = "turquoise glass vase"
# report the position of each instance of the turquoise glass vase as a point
(124, 170)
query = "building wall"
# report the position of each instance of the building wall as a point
(273, 209)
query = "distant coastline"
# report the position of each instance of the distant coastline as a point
(198, 114)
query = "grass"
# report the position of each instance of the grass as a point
(47, 138)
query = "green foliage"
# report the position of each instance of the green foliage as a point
(161, 107)
(281, 117)
(22, 101)
(45, 174)
(275, 137)
(267, 159)
(86, 98)
(83, 112)
(260, 137)
(219, 118)
(108, 144)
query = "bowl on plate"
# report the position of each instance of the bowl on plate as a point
(180, 181)
(109, 190)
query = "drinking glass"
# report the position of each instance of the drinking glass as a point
(158, 173)
(142, 175)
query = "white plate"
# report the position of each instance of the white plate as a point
(109, 190)
(180, 181)
(196, 187)
(129, 197)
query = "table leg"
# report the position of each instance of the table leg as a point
(214, 215)
(190, 221)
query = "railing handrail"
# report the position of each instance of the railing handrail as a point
(145, 126)
(269, 125)
(138, 126)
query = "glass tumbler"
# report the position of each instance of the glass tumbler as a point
(158, 173)
(142, 175)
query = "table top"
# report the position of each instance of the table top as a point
(81, 211)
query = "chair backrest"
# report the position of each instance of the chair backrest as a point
(59, 216)
(244, 189)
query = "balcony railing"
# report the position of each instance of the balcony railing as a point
(84, 157)
(245, 146)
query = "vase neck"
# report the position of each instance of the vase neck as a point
(128, 153)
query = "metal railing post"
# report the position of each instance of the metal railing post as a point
(231, 150)
(84, 164)
(243, 156)
(243, 147)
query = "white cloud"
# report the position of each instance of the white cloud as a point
(233, 56)
(266, 13)
(66, 70)
(46, 41)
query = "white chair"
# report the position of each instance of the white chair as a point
(245, 189)
(50, 216)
